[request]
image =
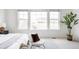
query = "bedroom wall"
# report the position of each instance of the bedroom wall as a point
(2, 17)
(11, 17)
(75, 30)
(11, 20)
(76, 27)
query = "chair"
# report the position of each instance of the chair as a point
(36, 42)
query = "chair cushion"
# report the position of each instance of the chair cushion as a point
(39, 42)
(35, 37)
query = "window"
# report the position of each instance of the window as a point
(23, 20)
(38, 20)
(54, 20)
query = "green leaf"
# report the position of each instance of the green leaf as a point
(71, 13)
(70, 19)
(66, 19)
(62, 21)
(76, 21)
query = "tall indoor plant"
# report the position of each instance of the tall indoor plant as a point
(70, 20)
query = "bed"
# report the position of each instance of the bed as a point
(12, 41)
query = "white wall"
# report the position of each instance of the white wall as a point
(11, 20)
(2, 17)
(76, 27)
(75, 30)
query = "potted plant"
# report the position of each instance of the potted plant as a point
(70, 20)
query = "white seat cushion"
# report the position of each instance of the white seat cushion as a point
(38, 43)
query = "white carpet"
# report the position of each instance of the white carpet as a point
(61, 44)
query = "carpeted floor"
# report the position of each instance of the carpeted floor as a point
(60, 44)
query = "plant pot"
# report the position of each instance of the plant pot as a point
(69, 37)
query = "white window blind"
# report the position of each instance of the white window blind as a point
(54, 20)
(38, 20)
(23, 20)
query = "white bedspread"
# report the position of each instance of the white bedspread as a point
(12, 41)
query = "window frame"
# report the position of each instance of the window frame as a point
(54, 19)
(40, 10)
(46, 20)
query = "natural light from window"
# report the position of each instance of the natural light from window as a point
(38, 20)
(23, 20)
(54, 20)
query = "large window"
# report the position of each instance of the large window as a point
(54, 20)
(23, 20)
(38, 20)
